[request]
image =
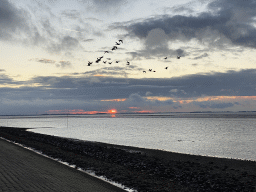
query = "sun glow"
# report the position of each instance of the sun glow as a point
(112, 111)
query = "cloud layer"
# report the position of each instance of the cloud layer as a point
(77, 92)
(233, 83)
(225, 24)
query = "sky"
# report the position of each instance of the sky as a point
(45, 47)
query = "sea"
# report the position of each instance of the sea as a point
(226, 135)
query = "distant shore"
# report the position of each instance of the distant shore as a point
(143, 169)
(240, 114)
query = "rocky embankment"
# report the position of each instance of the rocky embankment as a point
(143, 169)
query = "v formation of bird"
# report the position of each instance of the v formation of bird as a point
(128, 63)
(113, 48)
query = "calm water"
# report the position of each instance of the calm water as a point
(221, 137)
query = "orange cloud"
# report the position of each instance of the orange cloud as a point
(73, 112)
(201, 99)
(159, 98)
(143, 111)
(118, 100)
(99, 75)
(219, 98)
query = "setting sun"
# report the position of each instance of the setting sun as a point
(112, 111)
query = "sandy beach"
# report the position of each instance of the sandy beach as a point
(137, 168)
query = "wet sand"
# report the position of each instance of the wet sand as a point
(144, 169)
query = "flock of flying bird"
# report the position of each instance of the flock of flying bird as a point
(114, 48)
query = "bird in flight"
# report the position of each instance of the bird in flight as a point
(108, 60)
(99, 59)
(114, 48)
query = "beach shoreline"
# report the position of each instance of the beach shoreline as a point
(143, 169)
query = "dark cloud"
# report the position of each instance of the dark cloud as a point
(34, 39)
(61, 64)
(66, 91)
(225, 23)
(214, 105)
(48, 28)
(136, 100)
(5, 80)
(148, 93)
(88, 40)
(104, 6)
(12, 21)
(111, 3)
(239, 83)
(97, 87)
(66, 43)
(235, 5)
(17, 25)
(180, 52)
(69, 43)
(178, 9)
